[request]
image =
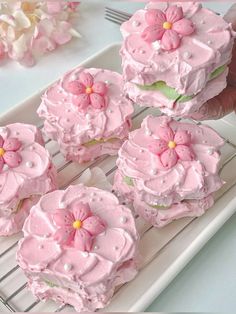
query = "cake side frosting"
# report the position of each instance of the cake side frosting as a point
(188, 67)
(95, 267)
(31, 175)
(187, 168)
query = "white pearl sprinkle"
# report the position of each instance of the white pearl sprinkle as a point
(85, 254)
(187, 55)
(107, 82)
(40, 246)
(88, 116)
(62, 205)
(153, 171)
(210, 151)
(110, 111)
(73, 77)
(29, 164)
(136, 23)
(67, 267)
(204, 142)
(162, 68)
(148, 132)
(156, 45)
(202, 22)
(135, 159)
(123, 220)
(141, 150)
(163, 181)
(96, 247)
(142, 51)
(3, 130)
(209, 42)
(5, 167)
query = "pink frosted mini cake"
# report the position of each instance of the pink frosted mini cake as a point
(78, 245)
(169, 169)
(26, 171)
(87, 113)
(175, 56)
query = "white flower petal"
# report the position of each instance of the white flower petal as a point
(74, 33)
(19, 47)
(21, 19)
(8, 19)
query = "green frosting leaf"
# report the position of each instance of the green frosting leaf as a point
(128, 181)
(94, 142)
(171, 93)
(158, 206)
(50, 284)
(162, 87)
(218, 72)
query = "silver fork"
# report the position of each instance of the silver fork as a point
(116, 16)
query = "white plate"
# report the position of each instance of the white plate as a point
(165, 252)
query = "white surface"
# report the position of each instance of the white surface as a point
(164, 251)
(18, 83)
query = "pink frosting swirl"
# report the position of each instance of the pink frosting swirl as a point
(158, 179)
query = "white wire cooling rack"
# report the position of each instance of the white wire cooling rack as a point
(166, 250)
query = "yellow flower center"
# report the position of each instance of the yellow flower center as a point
(27, 6)
(171, 144)
(77, 224)
(167, 25)
(33, 18)
(89, 90)
(2, 152)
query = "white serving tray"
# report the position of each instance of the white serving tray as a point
(165, 251)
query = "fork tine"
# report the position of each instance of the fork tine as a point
(115, 19)
(116, 16)
(118, 13)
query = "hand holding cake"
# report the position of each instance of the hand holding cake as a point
(225, 102)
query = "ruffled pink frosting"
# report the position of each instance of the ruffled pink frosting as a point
(157, 183)
(90, 276)
(34, 174)
(72, 127)
(187, 68)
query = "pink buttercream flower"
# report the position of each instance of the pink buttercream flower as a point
(8, 152)
(169, 27)
(172, 146)
(78, 226)
(88, 92)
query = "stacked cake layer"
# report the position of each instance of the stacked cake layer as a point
(175, 56)
(87, 113)
(169, 169)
